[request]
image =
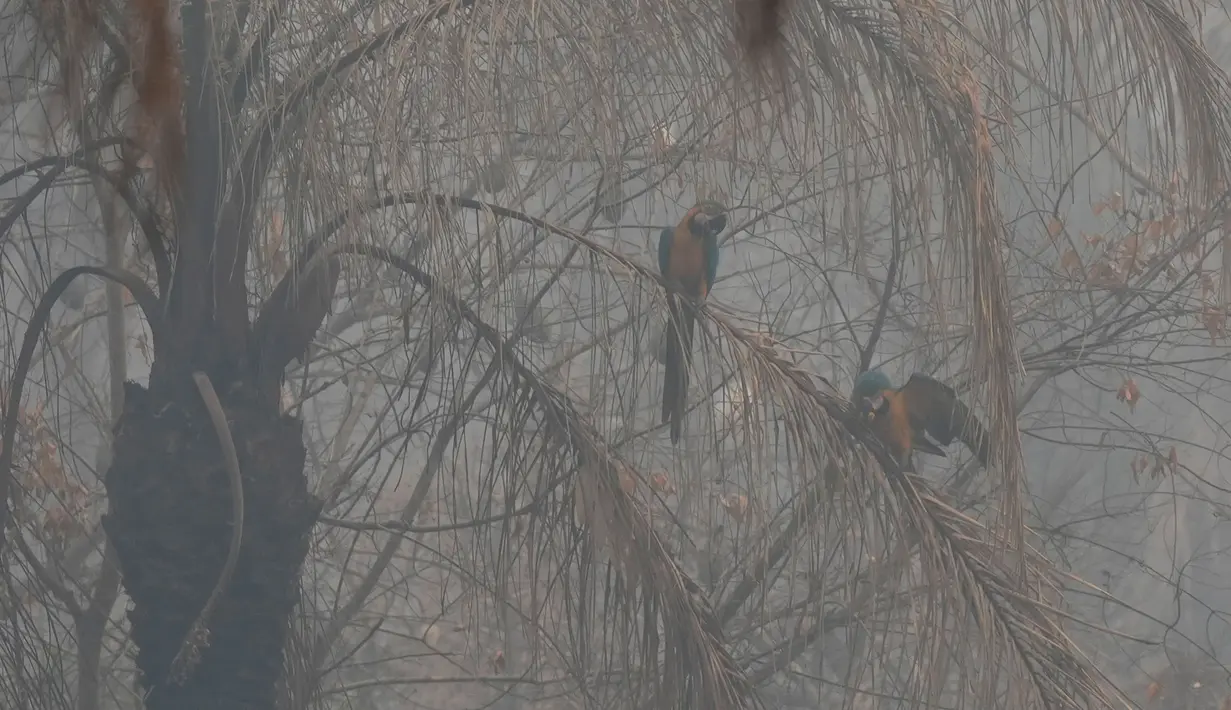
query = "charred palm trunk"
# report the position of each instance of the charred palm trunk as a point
(171, 522)
(211, 605)
(171, 517)
(170, 485)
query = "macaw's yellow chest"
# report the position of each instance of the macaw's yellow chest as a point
(894, 427)
(687, 263)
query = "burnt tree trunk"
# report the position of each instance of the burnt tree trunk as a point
(170, 522)
(170, 517)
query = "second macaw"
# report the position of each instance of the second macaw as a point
(904, 418)
(688, 256)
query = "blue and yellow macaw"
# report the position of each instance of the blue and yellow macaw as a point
(688, 256)
(904, 418)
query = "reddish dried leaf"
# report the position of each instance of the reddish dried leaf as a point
(736, 505)
(628, 483)
(1153, 689)
(1054, 228)
(661, 483)
(1129, 394)
(1140, 463)
(1071, 262)
(159, 93)
(1168, 224)
(1215, 322)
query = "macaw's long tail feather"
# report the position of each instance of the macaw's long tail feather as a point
(675, 377)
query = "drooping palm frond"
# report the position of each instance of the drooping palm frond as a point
(964, 573)
(695, 670)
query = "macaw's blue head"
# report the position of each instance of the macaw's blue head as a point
(707, 219)
(869, 389)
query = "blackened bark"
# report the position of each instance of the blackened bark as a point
(170, 522)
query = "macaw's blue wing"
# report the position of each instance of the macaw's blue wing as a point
(675, 368)
(934, 408)
(664, 251)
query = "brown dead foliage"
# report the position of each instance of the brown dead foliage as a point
(158, 82)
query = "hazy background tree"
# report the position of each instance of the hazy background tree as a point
(1025, 201)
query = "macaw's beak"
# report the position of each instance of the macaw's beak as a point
(869, 405)
(711, 224)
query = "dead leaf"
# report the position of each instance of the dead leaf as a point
(1153, 689)
(1139, 465)
(1054, 228)
(1168, 224)
(1166, 466)
(1071, 263)
(1215, 322)
(1129, 250)
(1129, 394)
(662, 142)
(628, 483)
(736, 505)
(498, 662)
(1115, 203)
(661, 483)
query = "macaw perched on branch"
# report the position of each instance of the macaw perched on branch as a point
(904, 419)
(688, 256)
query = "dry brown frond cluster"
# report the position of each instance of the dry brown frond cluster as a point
(159, 88)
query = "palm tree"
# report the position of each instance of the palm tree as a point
(353, 112)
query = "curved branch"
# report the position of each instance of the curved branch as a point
(54, 160)
(198, 633)
(79, 159)
(677, 600)
(23, 203)
(426, 198)
(146, 300)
